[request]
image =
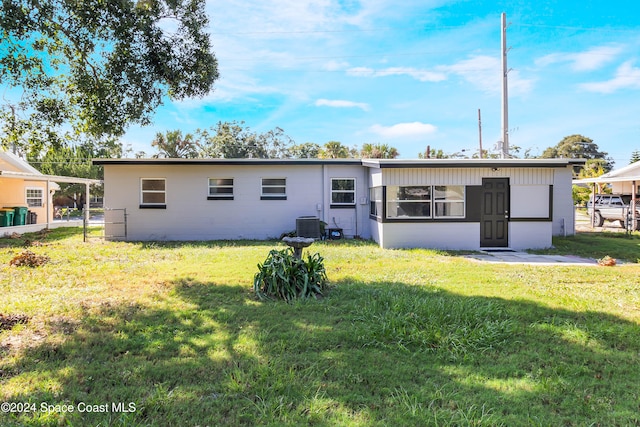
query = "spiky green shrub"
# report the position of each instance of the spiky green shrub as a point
(283, 276)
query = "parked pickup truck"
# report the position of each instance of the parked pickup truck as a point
(612, 207)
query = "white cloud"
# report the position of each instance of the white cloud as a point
(588, 60)
(485, 73)
(335, 65)
(404, 130)
(338, 103)
(627, 77)
(421, 75)
(417, 74)
(481, 71)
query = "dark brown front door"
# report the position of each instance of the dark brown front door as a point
(494, 220)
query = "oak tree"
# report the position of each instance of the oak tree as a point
(95, 67)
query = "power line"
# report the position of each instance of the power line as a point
(566, 27)
(352, 30)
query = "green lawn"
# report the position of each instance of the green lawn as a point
(173, 334)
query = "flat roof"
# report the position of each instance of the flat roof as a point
(174, 161)
(373, 163)
(471, 163)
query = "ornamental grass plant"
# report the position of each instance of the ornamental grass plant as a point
(284, 276)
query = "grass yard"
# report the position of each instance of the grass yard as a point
(150, 334)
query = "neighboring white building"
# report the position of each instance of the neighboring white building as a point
(433, 203)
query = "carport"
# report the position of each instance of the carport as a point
(50, 181)
(621, 183)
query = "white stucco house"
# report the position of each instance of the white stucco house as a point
(432, 203)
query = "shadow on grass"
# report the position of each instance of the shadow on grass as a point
(378, 353)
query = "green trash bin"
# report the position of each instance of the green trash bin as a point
(6, 217)
(20, 215)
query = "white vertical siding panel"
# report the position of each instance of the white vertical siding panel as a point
(464, 176)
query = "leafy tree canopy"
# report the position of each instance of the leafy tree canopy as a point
(307, 150)
(578, 147)
(234, 140)
(94, 67)
(635, 156)
(75, 161)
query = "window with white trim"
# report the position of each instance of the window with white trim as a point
(153, 192)
(34, 197)
(220, 189)
(448, 201)
(274, 189)
(343, 192)
(408, 201)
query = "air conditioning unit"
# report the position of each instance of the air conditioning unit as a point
(308, 226)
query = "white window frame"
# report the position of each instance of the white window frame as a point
(143, 192)
(219, 196)
(340, 204)
(27, 197)
(273, 196)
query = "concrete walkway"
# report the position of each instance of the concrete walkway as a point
(526, 258)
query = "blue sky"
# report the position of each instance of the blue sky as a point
(414, 73)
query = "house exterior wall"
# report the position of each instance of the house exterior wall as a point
(563, 210)
(539, 195)
(435, 235)
(353, 221)
(540, 206)
(14, 194)
(529, 235)
(465, 176)
(189, 215)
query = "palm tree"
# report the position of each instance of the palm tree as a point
(334, 150)
(378, 151)
(174, 145)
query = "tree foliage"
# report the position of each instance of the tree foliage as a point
(307, 150)
(173, 145)
(95, 67)
(378, 151)
(578, 147)
(593, 168)
(234, 140)
(432, 153)
(75, 161)
(336, 150)
(635, 156)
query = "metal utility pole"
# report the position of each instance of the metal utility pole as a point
(505, 95)
(480, 132)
